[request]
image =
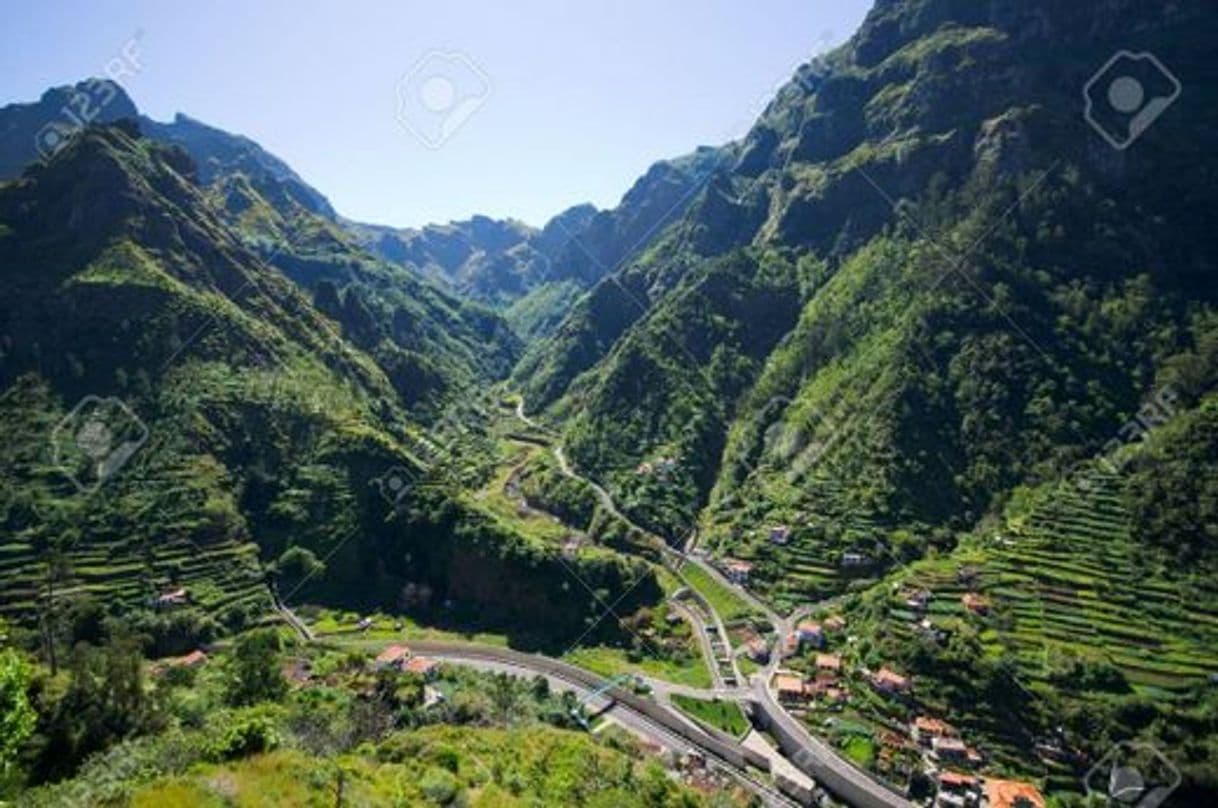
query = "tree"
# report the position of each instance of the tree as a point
(106, 702)
(254, 669)
(17, 717)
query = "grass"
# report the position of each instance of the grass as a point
(860, 750)
(724, 601)
(722, 715)
(339, 628)
(614, 662)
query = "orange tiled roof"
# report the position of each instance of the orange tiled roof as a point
(788, 682)
(831, 662)
(394, 653)
(1012, 794)
(957, 779)
(420, 665)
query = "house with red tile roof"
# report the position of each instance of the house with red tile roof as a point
(427, 668)
(977, 604)
(1011, 794)
(790, 688)
(737, 571)
(957, 790)
(889, 681)
(395, 656)
(925, 729)
(829, 662)
(810, 633)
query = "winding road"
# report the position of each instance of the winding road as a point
(808, 753)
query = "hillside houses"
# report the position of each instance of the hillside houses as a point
(171, 599)
(401, 658)
(810, 634)
(736, 571)
(925, 729)
(890, 683)
(829, 663)
(977, 604)
(957, 790)
(1011, 794)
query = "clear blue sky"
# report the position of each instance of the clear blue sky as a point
(583, 95)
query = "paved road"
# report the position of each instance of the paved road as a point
(570, 677)
(812, 755)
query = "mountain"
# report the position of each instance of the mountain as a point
(181, 414)
(927, 317)
(429, 342)
(219, 154)
(536, 277)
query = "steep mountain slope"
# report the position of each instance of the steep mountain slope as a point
(595, 255)
(973, 304)
(936, 178)
(430, 343)
(248, 426)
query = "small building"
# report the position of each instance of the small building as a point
(1011, 794)
(949, 749)
(977, 604)
(423, 666)
(835, 623)
(915, 599)
(790, 688)
(570, 546)
(780, 534)
(925, 729)
(829, 662)
(790, 645)
(889, 682)
(393, 657)
(854, 559)
(758, 651)
(737, 571)
(957, 790)
(810, 634)
(168, 600)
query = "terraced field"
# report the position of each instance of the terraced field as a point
(217, 577)
(823, 527)
(1067, 581)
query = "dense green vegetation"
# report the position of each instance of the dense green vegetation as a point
(921, 317)
(235, 729)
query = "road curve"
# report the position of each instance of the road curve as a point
(810, 754)
(652, 719)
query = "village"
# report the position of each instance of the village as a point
(874, 713)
